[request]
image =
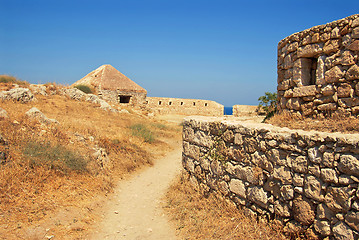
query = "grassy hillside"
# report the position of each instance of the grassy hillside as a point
(52, 176)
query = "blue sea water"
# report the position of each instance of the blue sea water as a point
(228, 110)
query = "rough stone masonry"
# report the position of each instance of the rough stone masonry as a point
(318, 70)
(307, 180)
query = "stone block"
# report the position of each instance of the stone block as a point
(352, 73)
(303, 210)
(258, 196)
(287, 192)
(355, 23)
(355, 32)
(281, 209)
(313, 188)
(305, 91)
(292, 47)
(329, 175)
(328, 90)
(345, 90)
(309, 51)
(282, 174)
(327, 107)
(331, 46)
(237, 186)
(293, 103)
(349, 164)
(338, 199)
(345, 59)
(323, 212)
(300, 164)
(349, 102)
(354, 46)
(333, 75)
(341, 231)
(322, 227)
(352, 219)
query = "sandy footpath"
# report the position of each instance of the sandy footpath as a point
(134, 211)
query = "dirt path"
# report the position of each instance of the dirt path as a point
(134, 211)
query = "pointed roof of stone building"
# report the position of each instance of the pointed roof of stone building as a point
(107, 77)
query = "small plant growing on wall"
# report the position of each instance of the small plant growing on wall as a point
(84, 88)
(268, 104)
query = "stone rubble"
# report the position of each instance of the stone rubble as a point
(23, 95)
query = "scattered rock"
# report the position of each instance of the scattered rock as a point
(23, 95)
(73, 93)
(3, 114)
(36, 114)
(38, 89)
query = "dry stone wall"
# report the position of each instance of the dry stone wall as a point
(184, 106)
(126, 97)
(318, 69)
(307, 180)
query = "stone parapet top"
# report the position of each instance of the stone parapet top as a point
(318, 28)
(264, 127)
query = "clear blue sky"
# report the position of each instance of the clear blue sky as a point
(222, 50)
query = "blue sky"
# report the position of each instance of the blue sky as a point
(224, 51)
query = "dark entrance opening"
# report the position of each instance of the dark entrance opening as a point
(309, 71)
(124, 99)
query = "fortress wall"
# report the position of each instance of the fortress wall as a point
(184, 106)
(136, 98)
(307, 180)
(244, 110)
(318, 69)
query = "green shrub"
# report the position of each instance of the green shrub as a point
(159, 126)
(55, 157)
(140, 130)
(84, 88)
(268, 103)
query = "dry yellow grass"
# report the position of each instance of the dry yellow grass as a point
(212, 217)
(36, 197)
(334, 123)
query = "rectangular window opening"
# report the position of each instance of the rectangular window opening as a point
(194, 104)
(181, 103)
(205, 104)
(170, 103)
(159, 103)
(309, 71)
(124, 99)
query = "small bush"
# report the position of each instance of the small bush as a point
(11, 79)
(268, 103)
(140, 130)
(55, 157)
(159, 126)
(84, 88)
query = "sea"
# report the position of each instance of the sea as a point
(228, 111)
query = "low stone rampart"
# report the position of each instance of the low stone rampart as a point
(182, 106)
(307, 180)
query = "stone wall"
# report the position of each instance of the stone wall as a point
(136, 98)
(318, 69)
(307, 180)
(184, 106)
(244, 110)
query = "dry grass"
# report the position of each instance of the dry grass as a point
(334, 123)
(35, 195)
(212, 217)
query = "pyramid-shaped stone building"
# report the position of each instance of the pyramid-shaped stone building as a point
(113, 86)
